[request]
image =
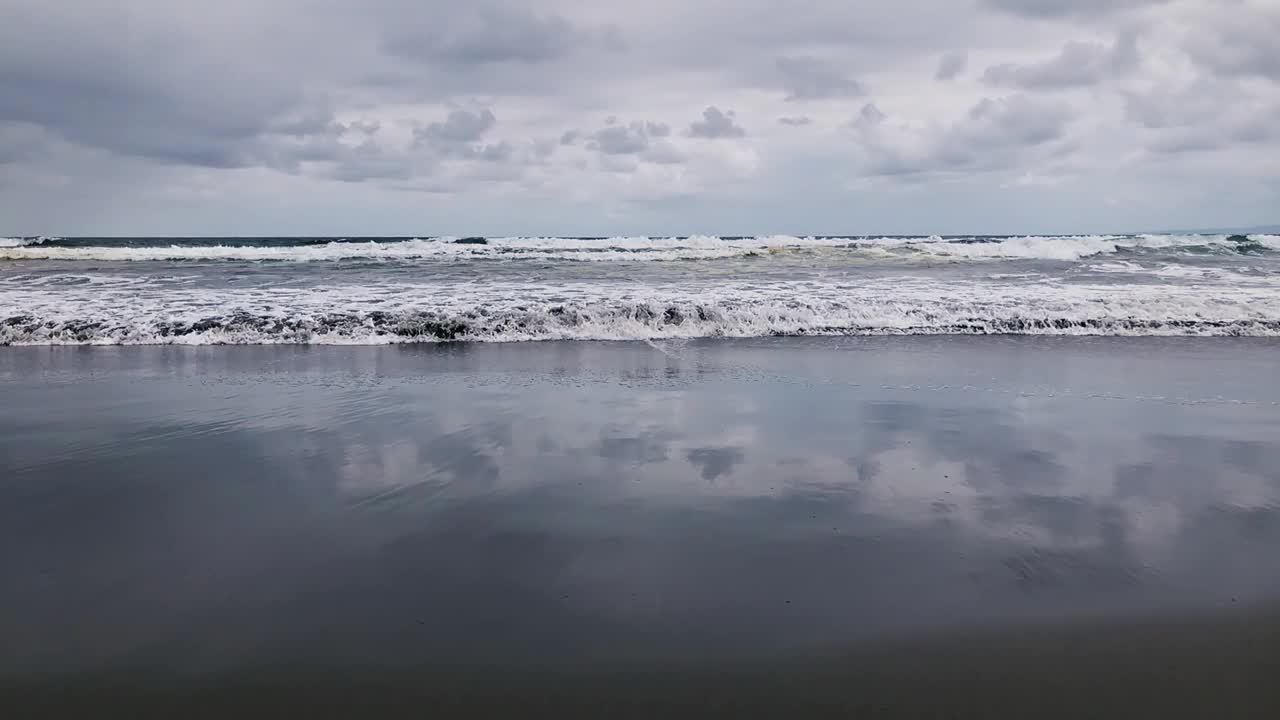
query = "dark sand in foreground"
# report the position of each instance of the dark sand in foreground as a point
(929, 527)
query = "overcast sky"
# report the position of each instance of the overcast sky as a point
(641, 117)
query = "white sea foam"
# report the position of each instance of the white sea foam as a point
(1075, 247)
(633, 249)
(511, 311)
(1191, 273)
(1041, 248)
(601, 250)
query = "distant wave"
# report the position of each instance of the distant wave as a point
(104, 315)
(18, 242)
(636, 249)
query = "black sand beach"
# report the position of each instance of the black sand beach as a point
(868, 527)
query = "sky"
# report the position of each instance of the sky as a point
(601, 117)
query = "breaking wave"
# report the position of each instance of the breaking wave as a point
(490, 313)
(18, 242)
(632, 249)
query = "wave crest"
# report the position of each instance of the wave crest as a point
(637, 249)
(646, 320)
(18, 242)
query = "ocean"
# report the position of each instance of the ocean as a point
(197, 291)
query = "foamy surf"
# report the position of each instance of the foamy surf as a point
(498, 312)
(655, 289)
(633, 249)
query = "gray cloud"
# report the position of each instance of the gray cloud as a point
(1241, 44)
(496, 152)
(1065, 8)
(621, 139)
(543, 149)
(20, 141)
(619, 164)
(1017, 120)
(810, 78)
(1183, 142)
(716, 124)
(96, 102)
(869, 116)
(951, 65)
(461, 126)
(339, 154)
(458, 136)
(664, 153)
(1163, 107)
(369, 127)
(644, 141)
(104, 107)
(441, 51)
(369, 161)
(1077, 64)
(1201, 117)
(657, 129)
(101, 81)
(484, 34)
(993, 135)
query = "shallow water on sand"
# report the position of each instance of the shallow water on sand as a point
(192, 511)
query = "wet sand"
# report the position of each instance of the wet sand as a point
(1176, 668)
(936, 527)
